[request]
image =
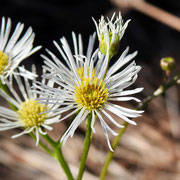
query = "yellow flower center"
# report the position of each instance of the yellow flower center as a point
(91, 93)
(80, 72)
(29, 113)
(3, 61)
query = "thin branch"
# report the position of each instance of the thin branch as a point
(152, 11)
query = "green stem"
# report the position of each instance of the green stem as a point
(162, 88)
(49, 140)
(110, 153)
(6, 90)
(62, 162)
(57, 154)
(43, 146)
(87, 142)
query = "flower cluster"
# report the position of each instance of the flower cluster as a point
(84, 86)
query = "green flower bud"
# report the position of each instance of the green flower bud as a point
(110, 34)
(113, 47)
(167, 63)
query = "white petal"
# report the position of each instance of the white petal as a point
(47, 127)
(8, 112)
(93, 122)
(26, 131)
(41, 131)
(37, 135)
(9, 98)
(70, 114)
(74, 122)
(124, 99)
(119, 113)
(111, 119)
(105, 124)
(127, 92)
(107, 137)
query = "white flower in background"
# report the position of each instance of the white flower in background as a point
(14, 48)
(110, 33)
(29, 111)
(88, 87)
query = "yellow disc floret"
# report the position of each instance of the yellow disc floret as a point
(91, 93)
(3, 61)
(80, 72)
(30, 113)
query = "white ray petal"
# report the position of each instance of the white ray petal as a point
(83, 117)
(93, 122)
(74, 122)
(105, 124)
(5, 35)
(8, 112)
(41, 131)
(47, 127)
(107, 136)
(9, 98)
(14, 37)
(127, 92)
(124, 99)
(127, 111)
(111, 119)
(37, 135)
(119, 113)
(26, 131)
(70, 114)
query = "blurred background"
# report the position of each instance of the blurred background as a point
(149, 151)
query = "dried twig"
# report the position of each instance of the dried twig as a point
(150, 10)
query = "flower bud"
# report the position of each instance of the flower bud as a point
(167, 63)
(110, 34)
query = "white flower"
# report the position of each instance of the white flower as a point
(28, 113)
(14, 48)
(110, 33)
(88, 87)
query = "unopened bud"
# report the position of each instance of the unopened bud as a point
(110, 33)
(167, 63)
(113, 46)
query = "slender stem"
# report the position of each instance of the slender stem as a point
(162, 88)
(110, 153)
(6, 90)
(87, 142)
(57, 154)
(43, 146)
(49, 140)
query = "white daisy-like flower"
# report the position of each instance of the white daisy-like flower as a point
(14, 48)
(88, 87)
(29, 111)
(110, 33)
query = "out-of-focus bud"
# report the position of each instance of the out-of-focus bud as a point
(167, 63)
